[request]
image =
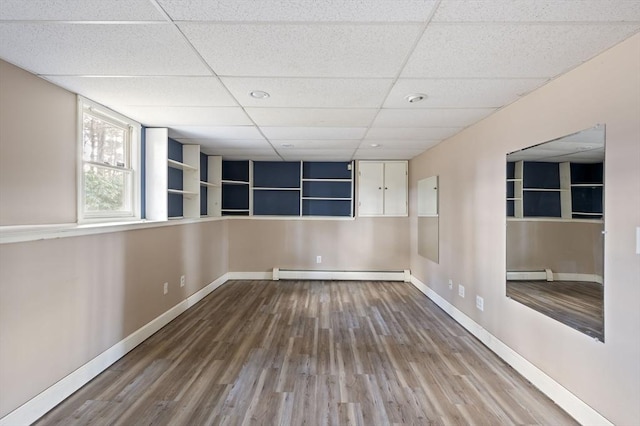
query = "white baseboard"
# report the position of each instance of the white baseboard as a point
(39, 405)
(577, 408)
(556, 276)
(289, 274)
(250, 275)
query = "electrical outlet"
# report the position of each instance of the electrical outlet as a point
(460, 290)
(318, 259)
(182, 281)
(480, 303)
(166, 288)
(450, 284)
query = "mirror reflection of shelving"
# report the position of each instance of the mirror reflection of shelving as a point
(564, 190)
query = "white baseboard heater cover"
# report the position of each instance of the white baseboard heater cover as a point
(294, 274)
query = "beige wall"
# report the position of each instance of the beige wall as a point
(65, 301)
(471, 166)
(37, 150)
(566, 247)
(370, 244)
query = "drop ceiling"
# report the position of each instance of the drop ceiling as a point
(337, 72)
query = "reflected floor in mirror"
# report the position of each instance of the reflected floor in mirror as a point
(574, 303)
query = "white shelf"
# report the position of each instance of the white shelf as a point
(544, 189)
(326, 198)
(212, 185)
(182, 192)
(235, 210)
(514, 180)
(180, 166)
(588, 214)
(587, 185)
(325, 180)
(274, 189)
(235, 182)
(514, 199)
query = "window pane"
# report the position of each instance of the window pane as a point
(104, 142)
(106, 190)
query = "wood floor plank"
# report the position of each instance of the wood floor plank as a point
(314, 353)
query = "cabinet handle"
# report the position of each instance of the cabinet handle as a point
(379, 187)
(386, 187)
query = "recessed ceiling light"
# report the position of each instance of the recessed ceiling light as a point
(287, 145)
(375, 145)
(259, 94)
(415, 97)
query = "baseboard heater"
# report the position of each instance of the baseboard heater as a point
(297, 274)
(549, 275)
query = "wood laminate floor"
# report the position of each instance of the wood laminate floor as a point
(579, 305)
(310, 352)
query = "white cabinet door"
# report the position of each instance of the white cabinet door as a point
(395, 188)
(370, 188)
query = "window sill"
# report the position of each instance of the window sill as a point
(26, 233)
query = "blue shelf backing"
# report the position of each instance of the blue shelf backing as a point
(326, 207)
(175, 207)
(584, 173)
(276, 203)
(326, 189)
(235, 170)
(326, 170)
(541, 175)
(235, 197)
(542, 204)
(274, 174)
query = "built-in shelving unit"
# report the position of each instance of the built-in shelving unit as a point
(554, 190)
(236, 188)
(210, 185)
(173, 178)
(327, 189)
(276, 188)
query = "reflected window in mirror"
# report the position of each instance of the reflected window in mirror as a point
(555, 247)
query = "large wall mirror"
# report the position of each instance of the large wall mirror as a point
(428, 221)
(555, 224)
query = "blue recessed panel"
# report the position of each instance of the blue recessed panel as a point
(541, 175)
(326, 170)
(274, 174)
(326, 208)
(320, 189)
(276, 203)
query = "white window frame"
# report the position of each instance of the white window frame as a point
(134, 149)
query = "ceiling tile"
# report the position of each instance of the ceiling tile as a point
(312, 117)
(98, 49)
(292, 154)
(460, 93)
(215, 132)
(317, 144)
(79, 10)
(386, 154)
(299, 10)
(452, 117)
(309, 92)
(243, 154)
(420, 133)
(313, 132)
(399, 144)
(227, 143)
(149, 91)
(186, 116)
(319, 50)
(539, 10)
(509, 50)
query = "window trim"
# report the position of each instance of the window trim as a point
(135, 165)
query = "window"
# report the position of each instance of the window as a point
(109, 167)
